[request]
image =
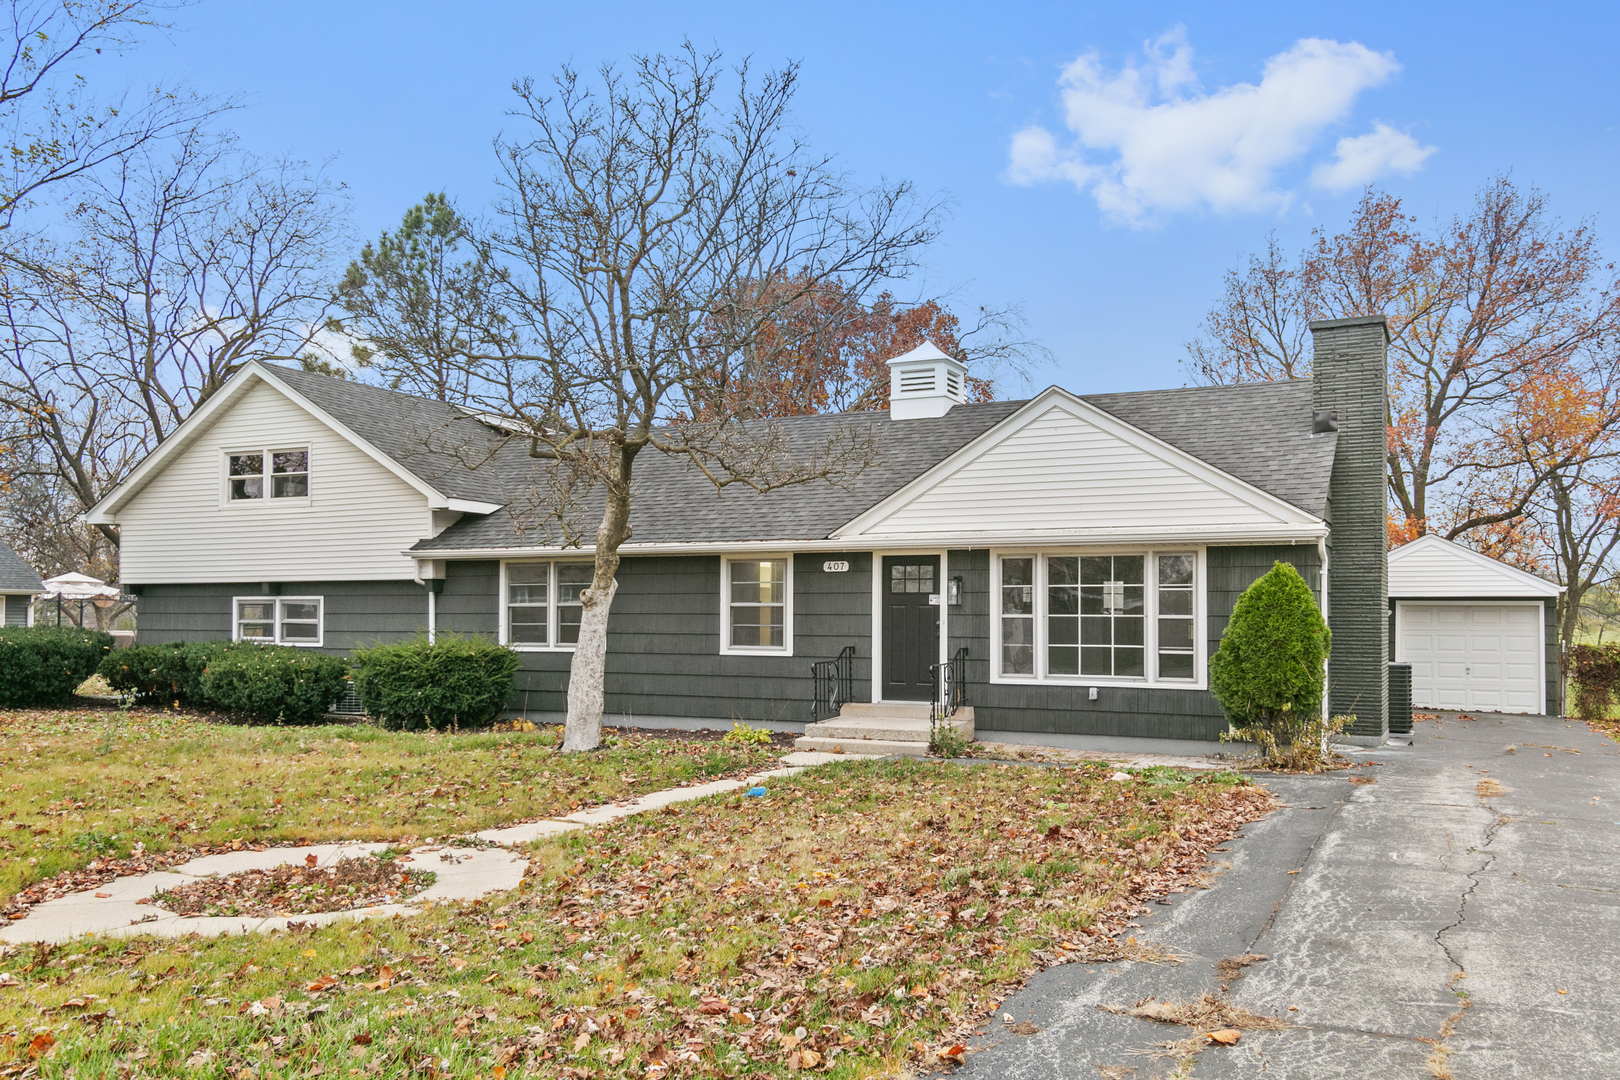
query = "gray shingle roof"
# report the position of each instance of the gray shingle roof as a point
(1258, 432)
(436, 442)
(15, 574)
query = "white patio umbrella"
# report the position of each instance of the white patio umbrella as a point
(80, 587)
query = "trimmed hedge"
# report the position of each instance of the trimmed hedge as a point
(454, 681)
(43, 665)
(1269, 671)
(163, 673)
(267, 682)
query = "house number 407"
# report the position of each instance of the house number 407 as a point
(835, 566)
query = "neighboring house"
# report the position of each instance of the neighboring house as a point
(19, 584)
(1480, 635)
(1080, 554)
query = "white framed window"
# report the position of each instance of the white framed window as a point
(279, 620)
(259, 475)
(540, 602)
(756, 604)
(1089, 617)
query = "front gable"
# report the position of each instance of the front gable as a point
(1063, 470)
(1432, 568)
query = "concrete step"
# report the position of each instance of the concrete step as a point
(886, 728)
(861, 747)
(908, 710)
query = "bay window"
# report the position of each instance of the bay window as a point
(1115, 617)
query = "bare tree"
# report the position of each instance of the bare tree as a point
(179, 263)
(640, 213)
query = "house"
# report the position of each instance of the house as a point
(1073, 557)
(1480, 635)
(19, 584)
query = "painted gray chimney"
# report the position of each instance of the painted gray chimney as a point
(1351, 377)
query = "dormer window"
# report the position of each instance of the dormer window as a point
(272, 474)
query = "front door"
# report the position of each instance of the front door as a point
(911, 606)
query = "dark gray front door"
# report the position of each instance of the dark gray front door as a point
(910, 626)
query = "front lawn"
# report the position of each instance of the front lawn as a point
(858, 919)
(99, 784)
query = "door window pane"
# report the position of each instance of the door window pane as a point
(911, 578)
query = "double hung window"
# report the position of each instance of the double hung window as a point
(273, 474)
(1125, 616)
(755, 608)
(542, 604)
(278, 620)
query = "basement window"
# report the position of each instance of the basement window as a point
(279, 620)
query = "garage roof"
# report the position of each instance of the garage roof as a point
(1431, 569)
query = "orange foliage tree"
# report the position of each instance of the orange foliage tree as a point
(1500, 369)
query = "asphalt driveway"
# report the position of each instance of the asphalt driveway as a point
(1417, 926)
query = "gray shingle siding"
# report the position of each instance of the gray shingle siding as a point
(357, 613)
(1351, 376)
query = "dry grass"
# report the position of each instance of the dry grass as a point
(1490, 789)
(1206, 1013)
(101, 784)
(1231, 968)
(865, 914)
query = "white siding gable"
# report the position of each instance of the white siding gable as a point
(360, 516)
(1063, 469)
(1433, 568)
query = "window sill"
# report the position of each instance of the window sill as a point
(731, 650)
(1082, 681)
(541, 648)
(261, 504)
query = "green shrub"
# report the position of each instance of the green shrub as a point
(454, 681)
(274, 682)
(1269, 671)
(43, 665)
(1596, 671)
(164, 673)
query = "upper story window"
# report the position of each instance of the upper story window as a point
(541, 607)
(272, 474)
(1110, 617)
(756, 605)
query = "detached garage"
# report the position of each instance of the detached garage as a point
(1481, 636)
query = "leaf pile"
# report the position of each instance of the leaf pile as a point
(299, 890)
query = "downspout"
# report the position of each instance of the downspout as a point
(1322, 574)
(433, 615)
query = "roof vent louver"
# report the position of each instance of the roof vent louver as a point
(925, 382)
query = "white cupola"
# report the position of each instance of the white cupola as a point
(925, 382)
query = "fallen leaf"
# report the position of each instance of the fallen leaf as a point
(362, 1039)
(325, 982)
(310, 860)
(458, 963)
(385, 978)
(41, 1044)
(1224, 1037)
(713, 1006)
(581, 1041)
(809, 1058)
(102, 895)
(957, 1053)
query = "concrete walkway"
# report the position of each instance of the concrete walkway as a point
(1418, 926)
(119, 908)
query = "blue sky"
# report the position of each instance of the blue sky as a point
(1183, 135)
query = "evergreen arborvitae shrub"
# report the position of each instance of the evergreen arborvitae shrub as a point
(43, 665)
(277, 683)
(1269, 672)
(161, 674)
(455, 681)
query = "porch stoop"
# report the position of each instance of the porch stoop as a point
(888, 729)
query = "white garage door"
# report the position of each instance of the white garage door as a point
(1472, 657)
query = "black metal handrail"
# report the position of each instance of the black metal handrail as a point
(950, 685)
(834, 684)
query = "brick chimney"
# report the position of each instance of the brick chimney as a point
(1351, 377)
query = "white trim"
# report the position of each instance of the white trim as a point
(878, 582)
(1179, 536)
(1286, 514)
(277, 601)
(1150, 626)
(786, 648)
(1541, 633)
(433, 616)
(552, 608)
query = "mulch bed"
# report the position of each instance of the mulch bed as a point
(299, 890)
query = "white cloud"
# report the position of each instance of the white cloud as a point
(1361, 159)
(1148, 141)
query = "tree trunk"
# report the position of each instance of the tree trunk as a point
(582, 728)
